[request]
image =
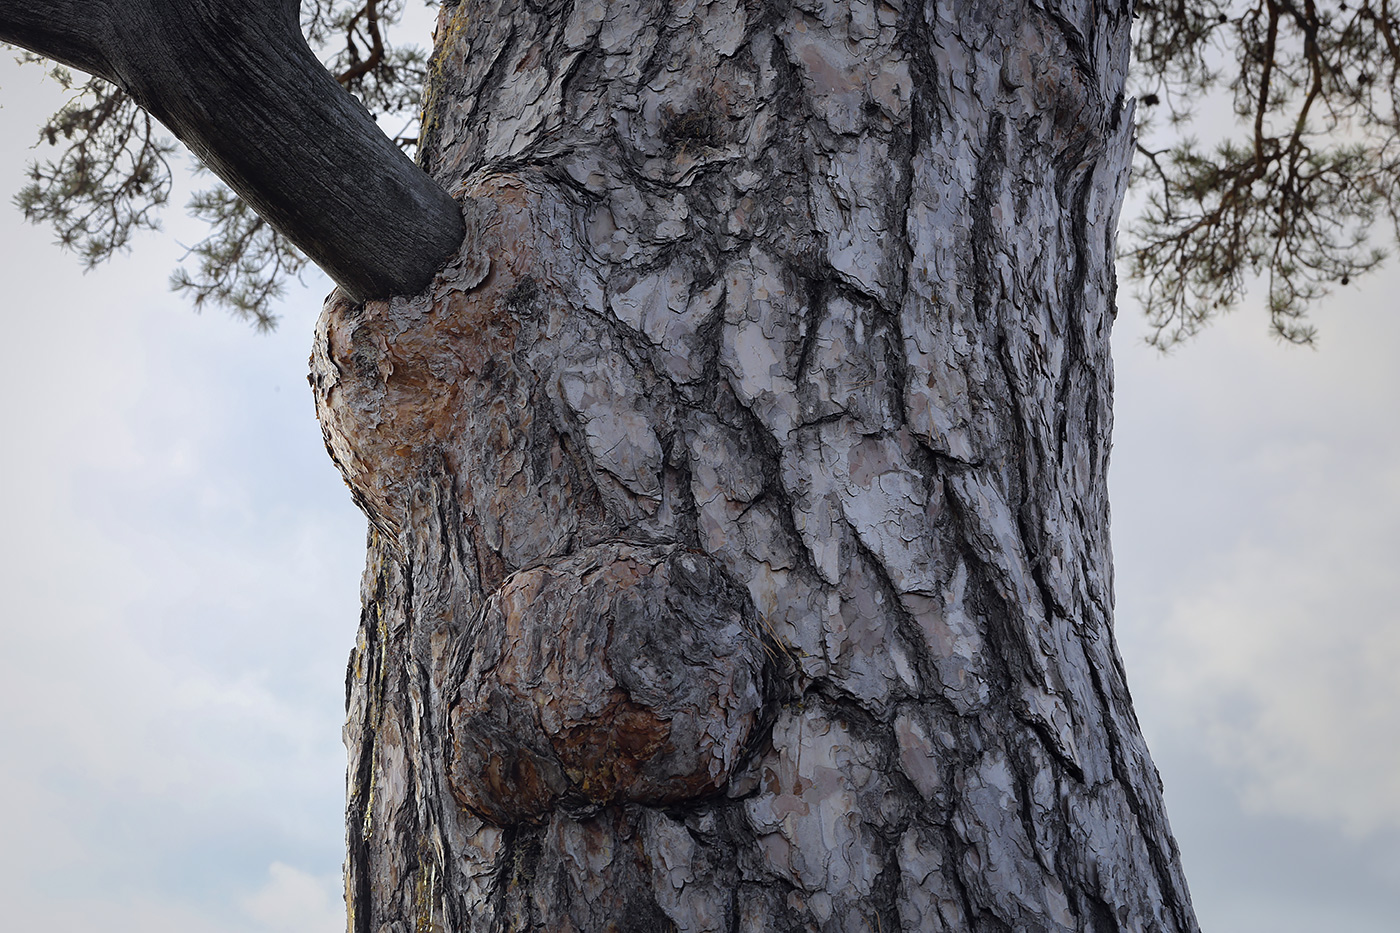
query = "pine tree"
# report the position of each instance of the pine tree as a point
(728, 390)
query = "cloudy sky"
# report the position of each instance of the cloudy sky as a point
(181, 568)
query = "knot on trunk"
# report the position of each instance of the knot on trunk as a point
(399, 382)
(620, 674)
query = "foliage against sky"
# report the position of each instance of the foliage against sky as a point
(1291, 198)
(1293, 195)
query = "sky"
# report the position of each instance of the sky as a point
(181, 568)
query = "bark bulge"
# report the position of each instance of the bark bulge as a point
(618, 675)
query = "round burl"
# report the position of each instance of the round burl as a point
(618, 674)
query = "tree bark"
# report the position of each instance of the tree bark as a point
(739, 551)
(237, 83)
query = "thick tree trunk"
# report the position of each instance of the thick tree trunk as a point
(739, 555)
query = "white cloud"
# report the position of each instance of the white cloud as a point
(1284, 667)
(293, 901)
(1257, 535)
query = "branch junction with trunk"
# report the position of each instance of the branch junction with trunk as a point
(237, 83)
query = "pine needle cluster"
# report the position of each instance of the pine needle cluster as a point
(1293, 196)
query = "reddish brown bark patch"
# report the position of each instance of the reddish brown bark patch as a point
(404, 379)
(619, 674)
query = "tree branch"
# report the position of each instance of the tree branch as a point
(236, 82)
(361, 67)
(69, 31)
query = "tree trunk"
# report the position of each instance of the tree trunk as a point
(739, 556)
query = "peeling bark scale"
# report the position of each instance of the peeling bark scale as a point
(739, 556)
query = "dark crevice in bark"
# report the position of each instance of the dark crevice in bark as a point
(1075, 317)
(981, 918)
(733, 411)
(1076, 43)
(371, 659)
(1008, 651)
(886, 893)
(918, 39)
(906, 628)
(516, 866)
(1100, 915)
(947, 464)
(983, 246)
(818, 292)
(845, 708)
(1051, 745)
(578, 65)
(903, 147)
(1023, 771)
(954, 848)
(1064, 867)
(709, 334)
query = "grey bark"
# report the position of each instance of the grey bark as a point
(739, 554)
(236, 82)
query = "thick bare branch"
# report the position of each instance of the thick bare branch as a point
(238, 85)
(73, 32)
